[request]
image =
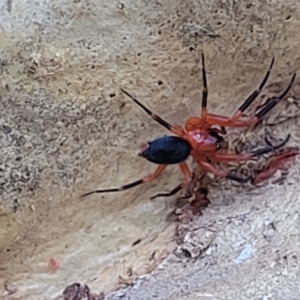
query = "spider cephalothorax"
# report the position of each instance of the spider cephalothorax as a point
(201, 139)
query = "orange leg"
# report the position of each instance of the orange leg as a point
(230, 157)
(188, 178)
(148, 178)
(218, 156)
(220, 173)
(235, 121)
(156, 173)
(186, 172)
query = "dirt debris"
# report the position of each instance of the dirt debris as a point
(195, 243)
(186, 208)
(77, 291)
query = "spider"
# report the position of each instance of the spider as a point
(200, 139)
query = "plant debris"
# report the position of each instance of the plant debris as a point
(282, 161)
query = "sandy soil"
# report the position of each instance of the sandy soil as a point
(66, 129)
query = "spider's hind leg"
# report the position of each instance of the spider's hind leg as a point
(145, 179)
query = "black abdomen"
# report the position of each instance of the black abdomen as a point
(167, 150)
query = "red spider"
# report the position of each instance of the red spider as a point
(201, 140)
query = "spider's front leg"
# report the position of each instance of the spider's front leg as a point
(206, 166)
(235, 121)
(223, 157)
(178, 130)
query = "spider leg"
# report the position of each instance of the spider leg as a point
(229, 122)
(169, 194)
(175, 129)
(220, 173)
(246, 156)
(245, 104)
(188, 178)
(273, 101)
(148, 178)
(253, 96)
(205, 91)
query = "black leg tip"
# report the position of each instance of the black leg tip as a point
(87, 194)
(169, 194)
(237, 178)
